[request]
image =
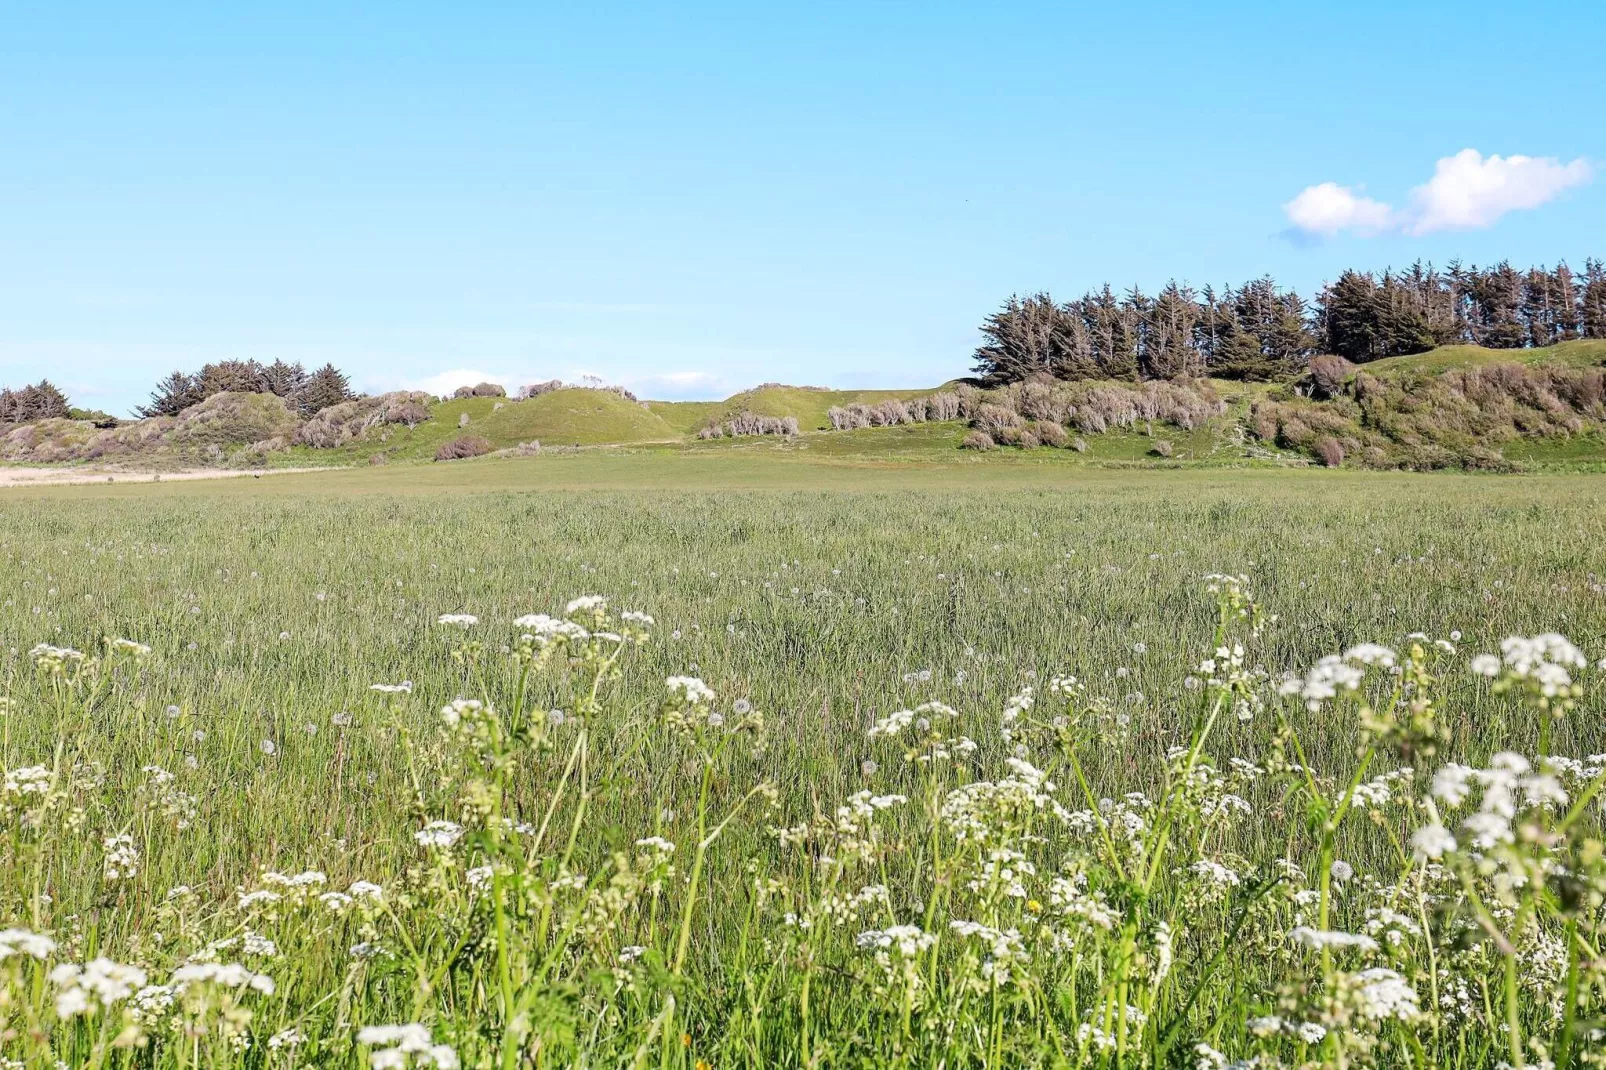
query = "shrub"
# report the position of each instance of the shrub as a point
(535, 390)
(339, 424)
(977, 440)
(942, 406)
(480, 390)
(748, 423)
(462, 419)
(47, 441)
(527, 449)
(1028, 441)
(379, 458)
(463, 446)
(1329, 452)
(1327, 375)
(132, 439)
(1051, 434)
(847, 418)
(1163, 448)
(232, 419)
(994, 418)
(1042, 400)
(1079, 444)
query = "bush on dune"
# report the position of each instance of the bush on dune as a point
(47, 441)
(463, 446)
(340, 424)
(1456, 418)
(233, 419)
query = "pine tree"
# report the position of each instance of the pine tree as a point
(1168, 323)
(231, 377)
(327, 386)
(1592, 302)
(172, 396)
(1497, 294)
(1350, 319)
(45, 402)
(41, 401)
(283, 379)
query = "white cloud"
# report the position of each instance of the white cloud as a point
(665, 386)
(443, 383)
(1329, 208)
(679, 386)
(1467, 191)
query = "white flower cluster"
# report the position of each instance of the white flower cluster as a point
(1547, 661)
(1323, 939)
(398, 1046)
(689, 690)
(1324, 681)
(986, 810)
(224, 975)
(15, 942)
(1509, 784)
(94, 986)
(122, 858)
(544, 629)
(438, 834)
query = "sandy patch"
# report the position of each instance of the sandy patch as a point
(39, 477)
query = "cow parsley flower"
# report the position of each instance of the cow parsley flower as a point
(94, 986)
(438, 834)
(396, 1045)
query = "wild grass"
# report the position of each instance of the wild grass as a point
(812, 615)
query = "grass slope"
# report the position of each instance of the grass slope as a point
(1582, 353)
(807, 405)
(575, 418)
(563, 417)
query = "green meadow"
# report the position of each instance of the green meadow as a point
(1105, 832)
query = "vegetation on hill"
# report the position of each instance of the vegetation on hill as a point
(810, 406)
(308, 393)
(1261, 331)
(1453, 406)
(41, 401)
(1456, 418)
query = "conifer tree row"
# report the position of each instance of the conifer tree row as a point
(1262, 331)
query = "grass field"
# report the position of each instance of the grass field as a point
(964, 889)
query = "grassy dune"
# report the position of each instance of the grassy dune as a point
(1581, 353)
(807, 405)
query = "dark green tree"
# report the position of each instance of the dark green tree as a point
(172, 396)
(325, 387)
(1592, 301)
(283, 379)
(41, 401)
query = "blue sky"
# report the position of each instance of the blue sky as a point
(692, 198)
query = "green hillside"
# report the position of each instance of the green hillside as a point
(562, 418)
(807, 405)
(575, 417)
(1581, 353)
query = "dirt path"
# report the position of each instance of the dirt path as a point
(38, 477)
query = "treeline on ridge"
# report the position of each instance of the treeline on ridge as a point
(1262, 331)
(307, 393)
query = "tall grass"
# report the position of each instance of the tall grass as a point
(970, 883)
